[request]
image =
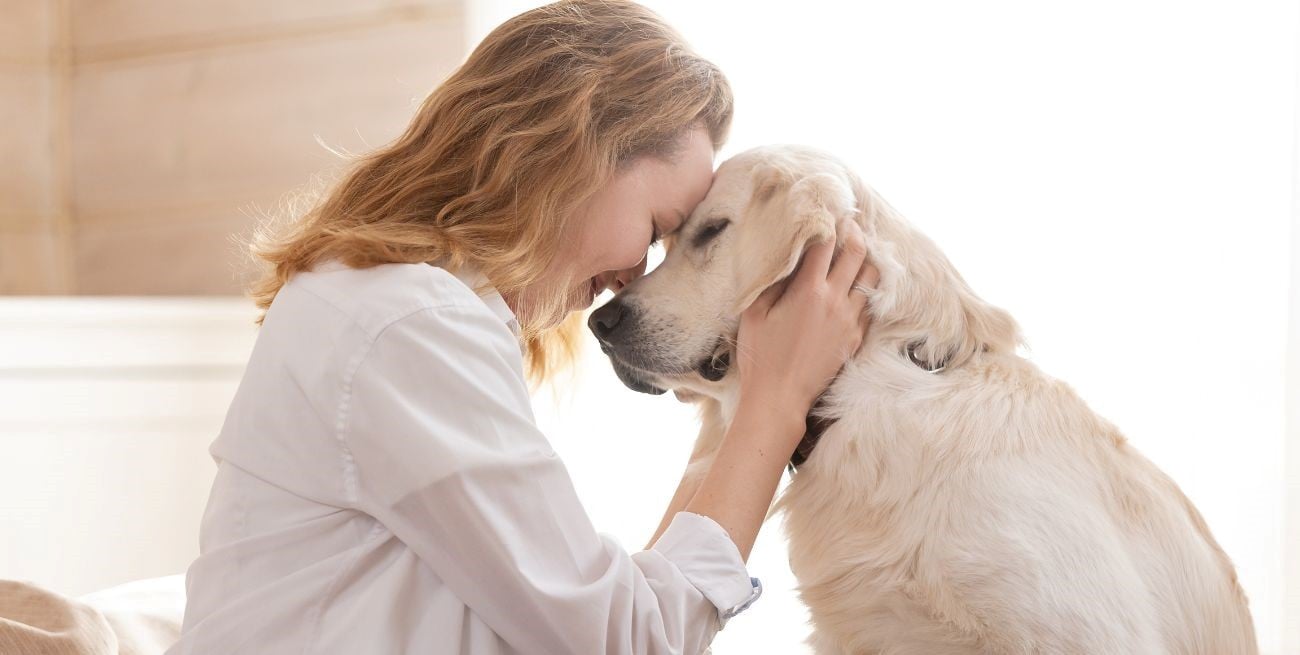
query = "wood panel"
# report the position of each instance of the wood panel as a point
(32, 262)
(196, 252)
(27, 150)
(137, 134)
(32, 257)
(113, 29)
(26, 31)
(181, 132)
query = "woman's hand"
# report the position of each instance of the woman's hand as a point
(791, 344)
(795, 338)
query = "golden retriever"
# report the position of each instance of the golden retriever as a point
(958, 500)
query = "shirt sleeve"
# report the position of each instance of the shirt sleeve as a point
(441, 447)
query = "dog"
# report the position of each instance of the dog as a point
(950, 497)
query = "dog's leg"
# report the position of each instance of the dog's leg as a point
(709, 439)
(706, 446)
(822, 644)
(1036, 567)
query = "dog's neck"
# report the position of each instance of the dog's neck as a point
(814, 425)
(873, 209)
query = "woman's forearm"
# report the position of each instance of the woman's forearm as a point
(737, 490)
(685, 490)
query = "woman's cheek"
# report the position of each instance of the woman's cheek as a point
(624, 247)
(636, 248)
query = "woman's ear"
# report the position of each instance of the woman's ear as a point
(784, 216)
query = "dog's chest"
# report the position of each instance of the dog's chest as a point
(848, 503)
(830, 532)
(853, 525)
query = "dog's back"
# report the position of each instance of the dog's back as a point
(988, 509)
(985, 507)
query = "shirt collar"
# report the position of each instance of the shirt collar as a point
(481, 285)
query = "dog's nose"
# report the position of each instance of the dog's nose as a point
(605, 321)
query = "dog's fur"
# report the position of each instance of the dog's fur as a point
(983, 508)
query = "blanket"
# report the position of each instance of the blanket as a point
(138, 618)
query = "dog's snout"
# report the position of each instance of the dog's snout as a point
(605, 322)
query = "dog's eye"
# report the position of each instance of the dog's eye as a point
(709, 232)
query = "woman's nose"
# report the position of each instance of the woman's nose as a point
(629, 275)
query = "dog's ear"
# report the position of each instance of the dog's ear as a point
(921, 295)
(785, 215)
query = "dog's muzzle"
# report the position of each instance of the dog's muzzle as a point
(609, 324)
(633, 379)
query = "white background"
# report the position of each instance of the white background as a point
(1117, 174)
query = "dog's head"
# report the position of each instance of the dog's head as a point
(676, 327)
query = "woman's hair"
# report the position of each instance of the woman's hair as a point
(489, 173)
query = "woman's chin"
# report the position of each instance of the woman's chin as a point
(579, 299)
(582, 297)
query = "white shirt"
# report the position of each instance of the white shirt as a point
(382, 487)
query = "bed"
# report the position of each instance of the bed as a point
(136, 618)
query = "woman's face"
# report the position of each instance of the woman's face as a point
(613, 231)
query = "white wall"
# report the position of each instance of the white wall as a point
(107, 408)
(1118, 174)
(1291, 539)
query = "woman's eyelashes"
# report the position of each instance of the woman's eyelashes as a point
(655, 235)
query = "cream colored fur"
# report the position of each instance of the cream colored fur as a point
(981, 509)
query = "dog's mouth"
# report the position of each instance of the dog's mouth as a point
(713, 368)
(633, 378)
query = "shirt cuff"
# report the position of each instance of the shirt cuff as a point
(708, 558)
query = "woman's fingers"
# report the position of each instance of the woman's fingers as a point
(816, 262)
(870, 275)
(820, 261)
(763, 303)
(868, 278)
(848, 265)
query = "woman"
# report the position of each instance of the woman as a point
(381, 485)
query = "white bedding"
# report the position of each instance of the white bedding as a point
(136, 618)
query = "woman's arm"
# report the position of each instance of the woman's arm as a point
(790, 346)
(706, 446)
(438, 445)
(738, 488)
(685, 491)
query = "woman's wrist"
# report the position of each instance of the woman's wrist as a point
(785, 414)
(686, 489)
(737, 490)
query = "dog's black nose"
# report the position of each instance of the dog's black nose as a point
(605, 321)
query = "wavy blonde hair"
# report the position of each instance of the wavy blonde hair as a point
(499, 157)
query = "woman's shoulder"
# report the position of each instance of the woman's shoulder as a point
(373, 298)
